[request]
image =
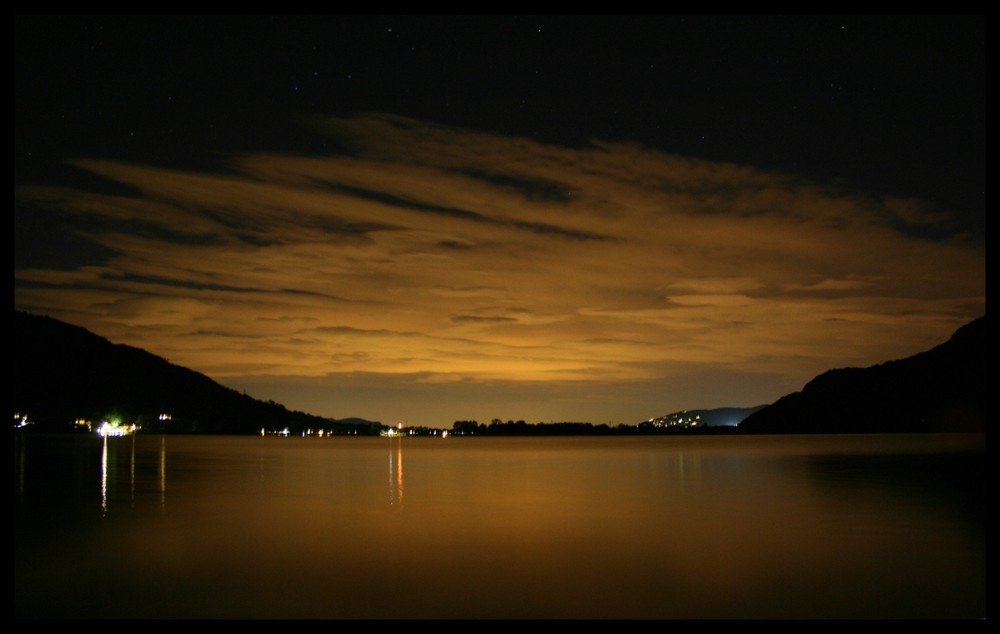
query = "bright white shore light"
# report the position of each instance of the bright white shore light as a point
(114, 429)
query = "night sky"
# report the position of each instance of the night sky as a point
(426, 219)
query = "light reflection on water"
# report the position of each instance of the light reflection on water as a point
(396, 471)
(651, 527)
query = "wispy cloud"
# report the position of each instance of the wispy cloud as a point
(463, 256)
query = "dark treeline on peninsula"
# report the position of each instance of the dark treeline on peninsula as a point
(521, 428)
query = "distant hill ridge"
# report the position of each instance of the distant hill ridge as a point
(940, 390)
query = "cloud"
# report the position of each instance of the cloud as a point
(470, 256)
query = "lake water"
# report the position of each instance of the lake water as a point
(696, 527)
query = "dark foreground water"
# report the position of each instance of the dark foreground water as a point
(650, 527)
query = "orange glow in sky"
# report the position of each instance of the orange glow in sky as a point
(438, 274)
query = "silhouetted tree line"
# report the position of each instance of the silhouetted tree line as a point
(496, 427)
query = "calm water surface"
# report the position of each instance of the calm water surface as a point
(582, 527)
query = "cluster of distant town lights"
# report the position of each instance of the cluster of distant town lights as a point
(675, 420)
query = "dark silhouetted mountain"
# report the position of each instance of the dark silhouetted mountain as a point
(63, 373)
(940, 390)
